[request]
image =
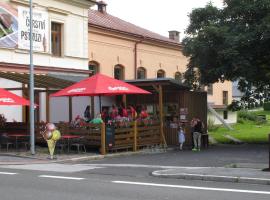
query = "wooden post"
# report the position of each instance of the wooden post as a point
(24, 107)
(47, 106)
(124, 99)
(135, 133)
(162, 138)
(103, 139)
(70, 108)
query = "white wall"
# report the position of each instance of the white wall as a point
(11, 112)
(232, 117)
(59, 109)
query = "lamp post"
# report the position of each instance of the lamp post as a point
(31, 84)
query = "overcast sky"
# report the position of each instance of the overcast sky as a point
(159, 16)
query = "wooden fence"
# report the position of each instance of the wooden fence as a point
(132, 136)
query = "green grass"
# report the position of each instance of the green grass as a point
(248, 131)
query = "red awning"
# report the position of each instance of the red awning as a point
(9, 99)
(100, 85)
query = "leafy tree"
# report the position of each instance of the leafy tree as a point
(230, 43)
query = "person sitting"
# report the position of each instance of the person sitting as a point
(97, 120)
(124, 112)
(114, 112)
(132, 113)
(144, 114)
(105, 115)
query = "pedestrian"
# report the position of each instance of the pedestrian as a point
(97, 120)
(86, 114)
(181, 138)
(197, 134)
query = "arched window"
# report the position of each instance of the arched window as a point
(141, 73)
(119, 72)
(93, 68)
(160, 73)
(178, 76)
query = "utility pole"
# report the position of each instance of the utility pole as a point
(31, 84)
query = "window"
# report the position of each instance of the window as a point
(178, 76)
(225, 97)
(119, 72)
(225, 114)
(141, 73)
(160, 74)
(93, 68)
(210, 89)
(56, 39)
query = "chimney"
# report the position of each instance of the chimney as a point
(174, 35)
(102, 6)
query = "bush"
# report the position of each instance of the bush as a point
(251, 116)
(247, 115)
(240, 121)
(266, 106)
(211, 124)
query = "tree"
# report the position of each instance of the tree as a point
(230, 43)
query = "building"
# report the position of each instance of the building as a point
(60, 35)
(125, 51)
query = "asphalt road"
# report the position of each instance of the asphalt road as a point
(120, 184)
(127, 178)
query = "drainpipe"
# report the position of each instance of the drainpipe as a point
(135, 57)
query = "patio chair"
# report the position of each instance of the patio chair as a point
(5, 141)
(79, 144)
(61, 145)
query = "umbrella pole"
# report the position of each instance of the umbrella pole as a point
(99, 104)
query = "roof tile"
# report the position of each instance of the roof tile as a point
(106, 20)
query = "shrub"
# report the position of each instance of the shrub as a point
(247, 115)
(211, 124)
(266, 106)
(251, 116)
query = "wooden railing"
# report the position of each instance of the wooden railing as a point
(132, 136)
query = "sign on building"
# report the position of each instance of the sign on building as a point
(15, 28)
(40, 33)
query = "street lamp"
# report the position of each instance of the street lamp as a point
(31, 84)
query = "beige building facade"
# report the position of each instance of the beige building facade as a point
(139, 53)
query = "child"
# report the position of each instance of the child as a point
(181, 137)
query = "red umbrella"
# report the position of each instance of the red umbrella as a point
(100, 85)
(9, 99)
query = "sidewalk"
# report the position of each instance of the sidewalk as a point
(220, 174)
(22, 158)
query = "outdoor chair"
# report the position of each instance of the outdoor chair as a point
(5, 141)
(79, 144)
(61, 146)
(24, 142)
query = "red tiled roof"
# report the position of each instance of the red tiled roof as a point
(106, 20)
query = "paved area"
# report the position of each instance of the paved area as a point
(225, 163)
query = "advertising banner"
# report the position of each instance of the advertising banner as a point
(15, 28)
(40, 29)
(8, 26)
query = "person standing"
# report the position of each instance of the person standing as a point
(181, 138)
(197, 134)
(86, 114)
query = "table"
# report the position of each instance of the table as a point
(16, 138)
(69, 137)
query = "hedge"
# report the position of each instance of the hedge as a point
(266, 106)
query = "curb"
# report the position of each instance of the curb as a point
(208, 177)
(76, 159)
